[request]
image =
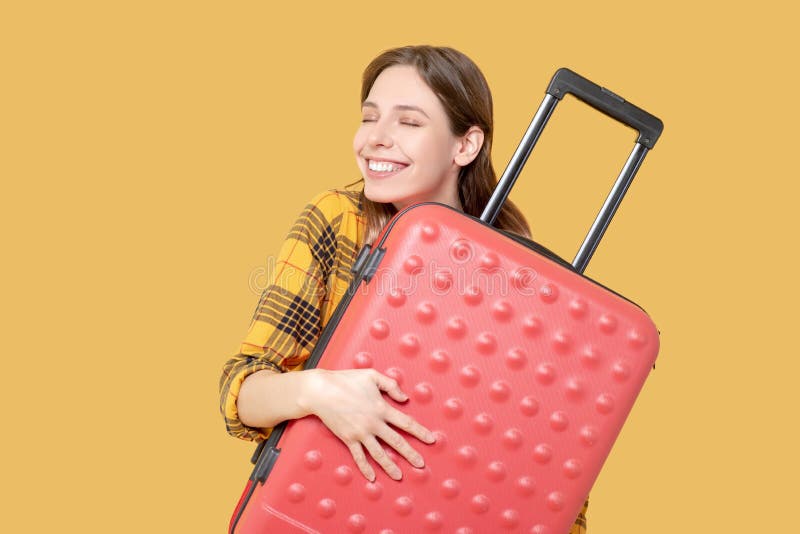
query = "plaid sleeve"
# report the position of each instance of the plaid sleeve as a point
(287, 321)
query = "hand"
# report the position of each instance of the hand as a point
(350, 404)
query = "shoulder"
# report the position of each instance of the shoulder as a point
(333, 212)
(335, 204)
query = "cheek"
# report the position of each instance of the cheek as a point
(358, 140)
(447, 143)
(421, 146)
(436, 150)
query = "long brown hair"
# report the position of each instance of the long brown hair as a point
(462, 89)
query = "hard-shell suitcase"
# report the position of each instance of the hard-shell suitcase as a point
(524, 368)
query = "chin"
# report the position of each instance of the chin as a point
(379, 195)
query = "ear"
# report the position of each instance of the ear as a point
(468, 147)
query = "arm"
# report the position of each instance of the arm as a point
(268, 398)
(256, 391)
(286, 323)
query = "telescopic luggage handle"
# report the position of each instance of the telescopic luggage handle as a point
(564, 82)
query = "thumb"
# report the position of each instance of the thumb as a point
(390, 386)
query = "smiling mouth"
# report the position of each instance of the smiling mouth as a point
(384, 166)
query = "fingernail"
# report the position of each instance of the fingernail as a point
(430, 437)
(397, 475)
(418, 463)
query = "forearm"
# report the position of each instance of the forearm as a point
(267, 398)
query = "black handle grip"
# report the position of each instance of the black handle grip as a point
(566, 81)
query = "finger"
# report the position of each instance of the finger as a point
(361, 461)
(408, 424)
(390, 386)
(379, 455)
(398, 443)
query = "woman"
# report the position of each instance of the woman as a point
(425, 135)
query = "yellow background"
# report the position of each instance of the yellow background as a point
(154, 154)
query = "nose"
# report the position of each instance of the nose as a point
(379, 135)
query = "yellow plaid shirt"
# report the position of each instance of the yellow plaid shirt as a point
(310, 276)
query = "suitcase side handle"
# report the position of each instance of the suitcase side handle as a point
(566, 81)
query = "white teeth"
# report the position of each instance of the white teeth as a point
(382, 166)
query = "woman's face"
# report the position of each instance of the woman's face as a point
(404, 147)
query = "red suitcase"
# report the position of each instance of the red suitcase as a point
(524, 368)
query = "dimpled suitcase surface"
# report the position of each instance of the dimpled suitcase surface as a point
(525, 370)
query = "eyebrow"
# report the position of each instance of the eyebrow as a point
(401, 107)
